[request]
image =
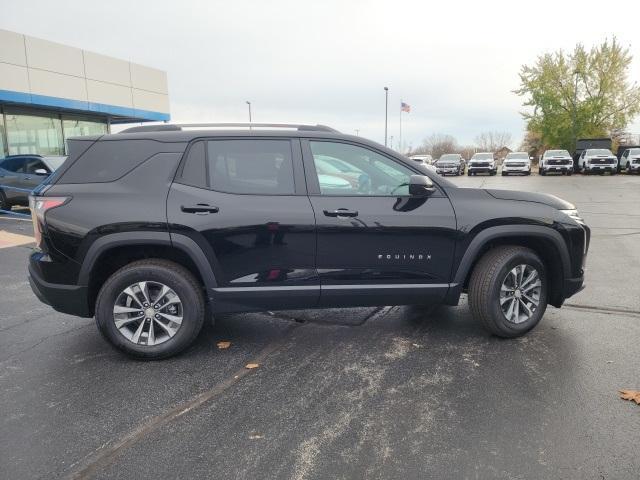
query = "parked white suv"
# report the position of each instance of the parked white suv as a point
(516, 162)
(630, 160)
(482, 163)
(598, 160)
(556, 161)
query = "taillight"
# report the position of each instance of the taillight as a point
(39, 206)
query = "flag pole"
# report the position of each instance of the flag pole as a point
(400, 145)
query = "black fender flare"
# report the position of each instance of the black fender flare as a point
(182, 242)
(503, 231)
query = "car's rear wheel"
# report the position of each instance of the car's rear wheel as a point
(150, 309)
(508, 290)
(4, 204)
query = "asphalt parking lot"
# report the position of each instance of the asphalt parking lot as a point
(394, 392)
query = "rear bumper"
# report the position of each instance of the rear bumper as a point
(70, 299)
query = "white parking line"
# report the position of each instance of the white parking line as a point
(8, 239)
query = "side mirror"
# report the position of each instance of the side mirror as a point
(41, 171)
(421, 186)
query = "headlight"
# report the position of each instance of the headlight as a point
(573, 214)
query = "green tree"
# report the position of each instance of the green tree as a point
(579, 94)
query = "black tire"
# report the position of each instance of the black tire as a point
(176, 277)
(569, 173)
(486, 281)
(542, 172)
(4, 203)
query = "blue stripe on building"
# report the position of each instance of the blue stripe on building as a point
(33, 100)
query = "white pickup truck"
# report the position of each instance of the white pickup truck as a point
(558, 161)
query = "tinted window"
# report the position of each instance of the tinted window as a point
(34, 164)
(194, 171)
(13, 164)
(108, 160)
(368, 173)
(259, 167)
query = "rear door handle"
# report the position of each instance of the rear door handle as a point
(341, 212)
(200, 209)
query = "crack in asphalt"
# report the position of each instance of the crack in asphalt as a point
(105, 454)
(605, 310)
(31, 347)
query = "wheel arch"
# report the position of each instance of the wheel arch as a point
(545, 241)
(113, 251)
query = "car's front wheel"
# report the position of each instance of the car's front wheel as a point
(508, 290)
(150, 309)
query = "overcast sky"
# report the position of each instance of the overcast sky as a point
(324, 61)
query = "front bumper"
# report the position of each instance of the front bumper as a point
(634, 167)
(516, 169)
(482, 169)
(573, 286)
(608, 167)
(70, 299)
(557, 168)
(447, 170)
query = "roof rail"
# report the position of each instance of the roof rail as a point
(164, 127)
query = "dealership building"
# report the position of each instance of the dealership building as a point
(49, 92)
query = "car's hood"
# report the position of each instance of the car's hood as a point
(543, 198)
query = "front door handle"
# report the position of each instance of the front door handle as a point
(341, 212)
(200, 209)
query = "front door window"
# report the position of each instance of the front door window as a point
(345, 169)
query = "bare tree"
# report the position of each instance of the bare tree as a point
(492, 141)
(438, 144)
(466, 151)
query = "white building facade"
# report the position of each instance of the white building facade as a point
(49, 92)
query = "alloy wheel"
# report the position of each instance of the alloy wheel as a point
(520, 293)
(148, 313)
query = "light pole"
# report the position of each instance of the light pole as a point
(386, 112)
(575, 107)
(357, 132)
(249, 104)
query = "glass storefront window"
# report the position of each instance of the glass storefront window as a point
(79, 127)
(2, 146)
(39, 134)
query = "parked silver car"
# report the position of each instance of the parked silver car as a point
(21, 173)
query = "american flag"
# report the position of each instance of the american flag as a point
(405, 107)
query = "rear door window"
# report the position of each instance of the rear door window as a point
(251, 166)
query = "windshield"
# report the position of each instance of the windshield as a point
(449, 157)
(599, 151)
(517, 156)
(556, 153)
(54, 163)
(482, 156)
(634, 151)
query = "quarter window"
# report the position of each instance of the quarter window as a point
(345, 169)
(194, 172)
(258, 167)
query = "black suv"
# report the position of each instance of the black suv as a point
(149, 229)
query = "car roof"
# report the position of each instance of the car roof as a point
(22, 155)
